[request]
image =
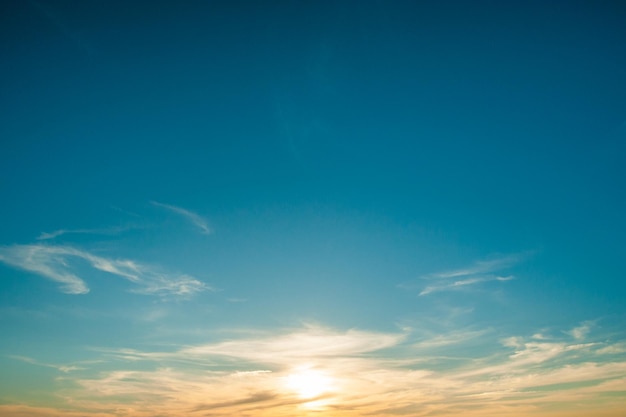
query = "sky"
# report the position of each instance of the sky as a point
(312, 208)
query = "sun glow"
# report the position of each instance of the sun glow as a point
(309, 383)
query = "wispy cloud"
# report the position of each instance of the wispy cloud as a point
(580, 332)
(451, 338)
(480, 267)
(54, 263)
(458, 279)
(46, 261)
(613, 349)
(61, 368)
(23, 410)
(61, 232)
(253, 372)
(195, 219)
(254, 398)
(363, 373)
(459, 284)
(311, 343)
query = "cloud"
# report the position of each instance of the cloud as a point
(461, 283)
(580, 332)
(61, 232)
(458, 279)
(480, 267)
(46, 261)
(54, 263)
(452, 338)
(365, 372)
(613, 349)
(310, 343)
(23, 410)
(251, 399)
(247, 373)
(190, 216)
(62, 368)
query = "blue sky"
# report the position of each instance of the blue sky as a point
(312, 208)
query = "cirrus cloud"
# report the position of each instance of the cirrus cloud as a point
(54, 263)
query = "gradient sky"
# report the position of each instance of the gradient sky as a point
(312, 208)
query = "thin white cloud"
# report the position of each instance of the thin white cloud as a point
(613, 349)
(364, 373)
(61, 232)
(310, 343)
(449, 286)
(480, 267)
(61, 368)
(46, 261)
(54, 263)
(195, 219)
(580, 332)
(181, 285)
(454, 285)
(452, 338)
(458, 279)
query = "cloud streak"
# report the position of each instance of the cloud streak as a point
(580, 332)
(77, 366)
(369, 373)
(311, 343)
(479, 267)
(61, 232)
(194, 218)
(464, 278)
(55, 263)
(459, 284)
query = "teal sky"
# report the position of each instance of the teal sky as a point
(293, 208)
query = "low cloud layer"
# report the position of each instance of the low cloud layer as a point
(364, 373)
